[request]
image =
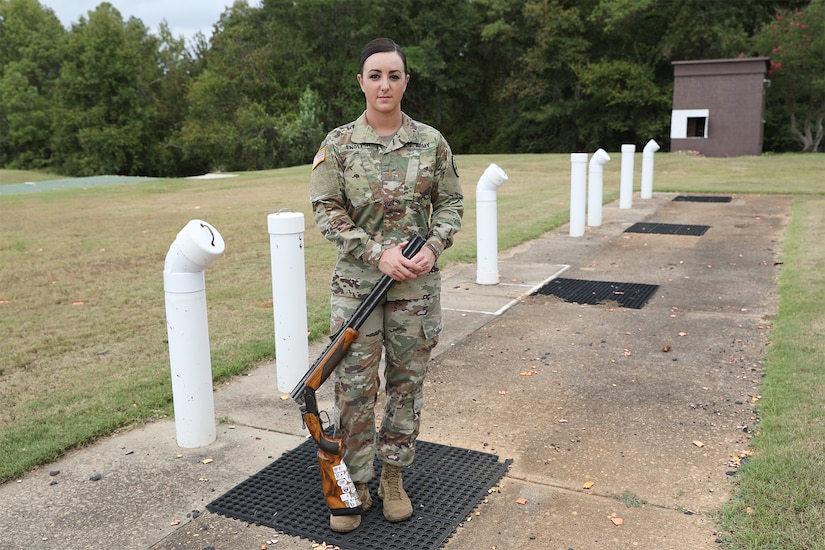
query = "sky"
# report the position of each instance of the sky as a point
(185, 17)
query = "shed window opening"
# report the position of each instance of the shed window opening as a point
(696, 127)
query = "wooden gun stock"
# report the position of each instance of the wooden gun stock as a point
(325, 364)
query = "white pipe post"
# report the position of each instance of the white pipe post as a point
(578, 193)
(626, 184)
(289, 297)
(647, 169)
(595, 187)
(196, 246)
(487, 224)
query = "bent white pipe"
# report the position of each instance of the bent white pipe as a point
(595, 187)
(487, 224)
(626, 183)
(647, 169)
(578, 193)
(289, 297)
(196, 246)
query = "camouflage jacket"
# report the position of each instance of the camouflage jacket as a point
(367, 196)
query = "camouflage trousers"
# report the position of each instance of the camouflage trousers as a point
(405, 332)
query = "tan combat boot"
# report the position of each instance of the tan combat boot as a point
(397, 505)
(345, 524)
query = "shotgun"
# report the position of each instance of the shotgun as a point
(339, 491)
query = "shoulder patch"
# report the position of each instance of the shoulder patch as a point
(320, 156)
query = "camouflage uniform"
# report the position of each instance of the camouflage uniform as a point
(368, 196)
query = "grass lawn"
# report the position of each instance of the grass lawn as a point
(780, 495)
(83, 350)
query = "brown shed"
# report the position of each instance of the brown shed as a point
(719, 106)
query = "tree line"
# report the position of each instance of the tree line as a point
(111, 96)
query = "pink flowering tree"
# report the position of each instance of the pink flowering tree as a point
(795, 43)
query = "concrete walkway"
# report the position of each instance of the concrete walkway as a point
(622, 424)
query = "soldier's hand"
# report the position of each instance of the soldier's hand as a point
(425, 259)
(394, 264)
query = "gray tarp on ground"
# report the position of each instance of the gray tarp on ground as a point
(67, 183)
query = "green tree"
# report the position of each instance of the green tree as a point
(110, 116)
(501, 45)
(795, 43)
(178, 68)
(625, 102)
(29, 65)
(688, 29)
(229, 125)
(544, 83)
(304, 132)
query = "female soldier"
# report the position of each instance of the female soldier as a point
(375, 182)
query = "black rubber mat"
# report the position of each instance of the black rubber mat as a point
(667, 228)
(701, 198)
(445, 484)
(631, 295)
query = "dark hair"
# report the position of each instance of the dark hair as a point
(381, 45)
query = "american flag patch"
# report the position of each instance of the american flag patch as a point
(319, 157)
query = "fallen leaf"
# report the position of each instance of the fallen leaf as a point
(589, 484)
(207, 461)
(617, 521)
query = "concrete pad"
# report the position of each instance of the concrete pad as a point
(554, 518)
(148, 486)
